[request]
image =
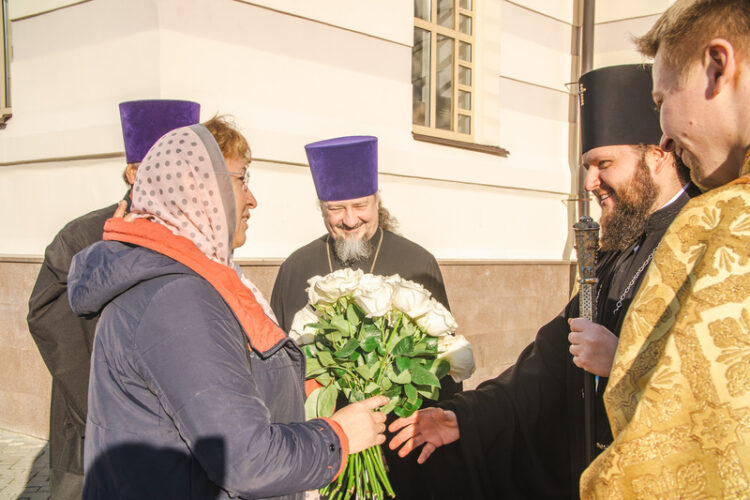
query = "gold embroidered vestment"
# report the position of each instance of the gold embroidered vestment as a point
(678, 398)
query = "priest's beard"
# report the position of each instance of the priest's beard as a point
(623, 225)
(350, 250)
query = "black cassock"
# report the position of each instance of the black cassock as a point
(65, 341)
(522, 433)
(442, 477)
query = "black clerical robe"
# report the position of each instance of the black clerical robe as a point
(397, 255)
(522, 433)
(65, 342)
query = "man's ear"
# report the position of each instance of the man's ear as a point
(130, 172)
(719, 61)
(658, 159)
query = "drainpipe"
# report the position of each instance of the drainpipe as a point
(587, 61)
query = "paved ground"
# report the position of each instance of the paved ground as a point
(24, 470)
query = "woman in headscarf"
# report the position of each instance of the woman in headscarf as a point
(195, 392)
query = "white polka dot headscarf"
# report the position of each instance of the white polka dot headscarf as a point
(183, 183)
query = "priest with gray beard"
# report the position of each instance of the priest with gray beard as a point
(361, 236)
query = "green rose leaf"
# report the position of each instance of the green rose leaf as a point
(325, 358)
(422, 376)
(390, 405)
(370, 344)
(386, 383)
(411, 392)
(346, 351)
(441, 368)
(364, 372)
(352, 316)
(428, 392)
(400, 378)
(313, 368)
(311, 404)
(402, 412)
(327, 400)
(394, 391)
(371, 388)
(312, 364)
(368, 329)
(404, 346)
(371, 358)
(403, 363)
(413, 406)
(341, 324)
(310, 351)
(324, 378)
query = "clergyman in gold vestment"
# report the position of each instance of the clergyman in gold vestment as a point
(678, 397)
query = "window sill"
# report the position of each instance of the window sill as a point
(481, 148)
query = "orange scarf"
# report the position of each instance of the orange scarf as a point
(262, 333)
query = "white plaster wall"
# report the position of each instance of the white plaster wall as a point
(25, 8)
(613, 41)
(387, 19)
(617, 10)
(292, 78)
(37, 200)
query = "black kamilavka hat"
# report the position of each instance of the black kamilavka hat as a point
(617, 107)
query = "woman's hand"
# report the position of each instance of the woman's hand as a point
(363, 426)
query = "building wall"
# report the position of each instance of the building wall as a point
(498, 305)
(291, 78)
(292, 72)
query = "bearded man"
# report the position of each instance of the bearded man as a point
(522, 433)
(679, 393)
(361, 236)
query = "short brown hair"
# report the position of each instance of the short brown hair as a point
(231, 142)
(685, 28)
(683, 173)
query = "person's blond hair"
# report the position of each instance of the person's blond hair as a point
(684, 30)
(231, 142)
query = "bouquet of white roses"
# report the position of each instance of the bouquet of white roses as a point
(366, 335)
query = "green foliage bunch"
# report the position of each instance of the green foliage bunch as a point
(365, 335)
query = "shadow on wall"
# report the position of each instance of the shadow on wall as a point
(160, 472)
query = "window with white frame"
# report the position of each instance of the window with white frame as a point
(443, 68)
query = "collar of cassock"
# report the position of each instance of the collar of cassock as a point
(663, 217)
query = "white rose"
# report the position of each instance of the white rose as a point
(438, 320)
(300, 332)
(457, 351)
(411, 298)
(329, 288)
(373, 295)
(312, 295)
(394, 280)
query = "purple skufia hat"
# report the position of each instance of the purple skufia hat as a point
(143, 122)
(344, 168)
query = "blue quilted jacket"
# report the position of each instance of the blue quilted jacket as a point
(179, 407)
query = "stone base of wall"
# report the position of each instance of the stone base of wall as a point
(498, 305)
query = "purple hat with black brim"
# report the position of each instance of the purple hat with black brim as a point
(143, 122)
(344, 168)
